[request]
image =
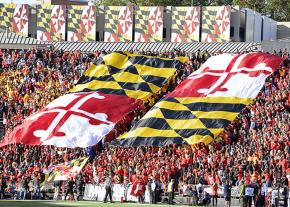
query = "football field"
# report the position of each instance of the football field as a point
(17, 203)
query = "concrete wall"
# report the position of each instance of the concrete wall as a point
(257, 27)
(270, 46)
(235, 24)
(269, 29)
(249, 25)
(266, 29)
(100, 23)
(20, 46)
(167, 23)
(32, 24)
(283, 30)
(273, 30)
(242, 28)
(253, 26)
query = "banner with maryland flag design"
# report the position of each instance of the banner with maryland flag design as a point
(51, 22)
(204, 104)
(14, 17)
(149, 24)
(185, 24)
(103, 96)
(64, 171)
(118, 23)
(81, 23)
(216, 23)
(73, 120)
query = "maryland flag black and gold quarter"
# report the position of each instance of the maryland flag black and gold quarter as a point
(204, 104)
(122, 73)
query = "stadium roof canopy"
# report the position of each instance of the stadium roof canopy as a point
(13, 41)
(230, 47)
(13, 38)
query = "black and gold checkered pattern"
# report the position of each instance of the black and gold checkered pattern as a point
(189, 120)
(43, 17)
(61, 170)
(44, 13)
(6, 16)
(111, 23)
(74, 21)
(178, 19)
(111, 19)
(141, 24)
(74, 16)
(178, 23)
(132, 75)
(141, 19)
(209, 18)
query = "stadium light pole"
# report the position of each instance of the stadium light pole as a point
(134, 6)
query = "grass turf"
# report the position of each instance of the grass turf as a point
(17, 203)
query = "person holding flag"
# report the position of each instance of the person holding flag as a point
(138, 189)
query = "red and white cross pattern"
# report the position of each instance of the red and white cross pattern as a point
(88, 19)
(57, 22)
(240, 76)
(73, 120)
(20, 19)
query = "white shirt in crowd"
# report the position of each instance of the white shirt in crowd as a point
(249, 191)
(264, 190)
(274, 195)
(153, 186)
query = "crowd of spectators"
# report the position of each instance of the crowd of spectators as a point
(29, 80)
(253, 150)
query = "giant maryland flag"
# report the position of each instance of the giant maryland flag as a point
(104, 95)
(64, 171)
(205, 103)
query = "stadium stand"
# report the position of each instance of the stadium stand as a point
(2, 128)
(251, 152)
(249, 160)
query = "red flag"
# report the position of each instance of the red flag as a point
(73, 120)
(138, 188)
(214, 79)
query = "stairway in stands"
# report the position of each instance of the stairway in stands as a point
(3, 84)
(2, 128)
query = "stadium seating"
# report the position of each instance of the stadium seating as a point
(253, 150)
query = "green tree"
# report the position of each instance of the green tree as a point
(276, 9)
